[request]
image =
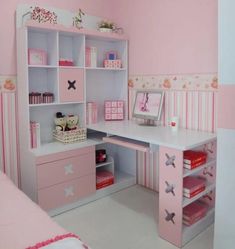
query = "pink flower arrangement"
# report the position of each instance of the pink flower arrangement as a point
(42, 15)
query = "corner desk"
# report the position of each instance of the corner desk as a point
(171, 146)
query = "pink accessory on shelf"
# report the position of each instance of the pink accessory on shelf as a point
(91, 57)
(91, 113)
(37, 57)
(112, 64)
(114, 110)
(65, 62)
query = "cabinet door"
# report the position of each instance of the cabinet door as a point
(71, 85)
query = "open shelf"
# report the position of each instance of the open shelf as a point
(42, 66)
(121, 180)
(189, 232)
(209, 187)
(188, 172)
(107, 163)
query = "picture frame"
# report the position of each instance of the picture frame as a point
(111, 55)
(37, 57)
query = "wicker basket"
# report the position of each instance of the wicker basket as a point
(72, 136)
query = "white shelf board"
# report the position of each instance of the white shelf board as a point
(71, 67)
(187, 201)
(105, 69)
(54, 104)
(42, 66)
(55, 147)
(188, 172)
(103, 164)
(189, 232)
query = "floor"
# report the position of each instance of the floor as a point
(124, 220)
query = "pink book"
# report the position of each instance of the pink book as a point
(192, 183)
(88, 57)
(33, 135)
(194, 211)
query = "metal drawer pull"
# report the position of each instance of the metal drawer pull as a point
(68, 169)
(69, 191)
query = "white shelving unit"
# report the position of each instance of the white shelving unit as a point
(92, 84)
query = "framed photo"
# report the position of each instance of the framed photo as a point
(111, 55)
(37, 57)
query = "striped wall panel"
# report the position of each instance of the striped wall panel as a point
(8, 129)
(197, 110)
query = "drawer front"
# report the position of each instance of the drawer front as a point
(71, 85)
(65, 154)
(65, 193)
(52, 173)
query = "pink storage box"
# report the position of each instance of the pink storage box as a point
(37, 57)
(114, 110)
(112, 63)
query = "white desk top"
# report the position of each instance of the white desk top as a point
(182, 139)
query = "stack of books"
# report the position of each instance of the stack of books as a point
(194, 212)
(193, 185)
(104, 178)
(194, 159)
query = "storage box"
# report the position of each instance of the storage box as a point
(37, 57)
(112, 64)
(72, 136)
(114, 109)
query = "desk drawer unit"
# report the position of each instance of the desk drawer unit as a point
(52, 173)
(65, 177)
(65, 193)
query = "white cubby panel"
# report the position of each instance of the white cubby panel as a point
(71, 47)
(43, 80)
(106, 85)
(104, 46)
(46, 118)
(46, 41)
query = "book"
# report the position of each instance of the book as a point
(193, 157)
(193, 183)
(191, 222)
(35, 134)
(104, 178)
(194, 165)
(194, 212)
(194, 193)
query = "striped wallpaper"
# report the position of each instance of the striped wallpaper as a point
(8, 128)
(193, 98)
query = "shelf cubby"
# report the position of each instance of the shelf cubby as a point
(45, 40)
(71, 47)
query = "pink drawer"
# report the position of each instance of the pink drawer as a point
(52, 173)
(65, 193)
(64, 154)
(71, 85)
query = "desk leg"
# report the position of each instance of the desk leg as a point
(170, 194)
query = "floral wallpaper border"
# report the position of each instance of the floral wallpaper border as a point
(7, 83)
(187, 82)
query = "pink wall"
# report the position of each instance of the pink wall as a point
(170, 37)
(7, 24)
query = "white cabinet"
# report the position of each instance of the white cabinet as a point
(51, 60)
